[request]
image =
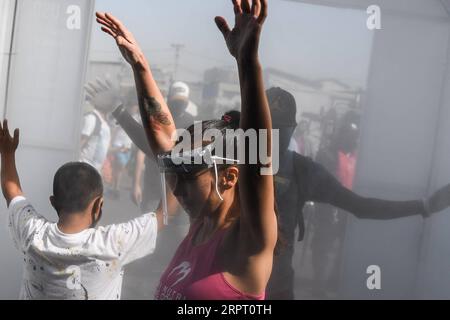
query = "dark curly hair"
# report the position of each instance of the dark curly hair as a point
(75, 185)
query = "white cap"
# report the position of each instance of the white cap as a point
(179, 90)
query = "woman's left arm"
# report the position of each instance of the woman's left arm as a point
(258, 225)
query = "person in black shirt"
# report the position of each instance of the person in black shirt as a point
(301, 180)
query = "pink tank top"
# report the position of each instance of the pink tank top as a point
(194, 274)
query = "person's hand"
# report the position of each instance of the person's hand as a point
(136, 195)
(243, 40)
(439, 201)
(125, 40)
(8, 144)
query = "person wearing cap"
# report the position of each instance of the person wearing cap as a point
(178, 102)
(301, 180)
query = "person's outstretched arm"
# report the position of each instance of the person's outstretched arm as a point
(258, 224)
(327, 189)
(133, 129)
(379, 209)
(23, 220)
(156, 117)
(10, 179)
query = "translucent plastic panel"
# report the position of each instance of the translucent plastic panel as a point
(6, 25)
(46, 80)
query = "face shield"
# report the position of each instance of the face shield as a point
(189, 163)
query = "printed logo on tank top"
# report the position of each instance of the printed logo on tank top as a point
(180, 272)
(165, 289)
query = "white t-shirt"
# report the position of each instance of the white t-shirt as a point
(121, 138)
(86, 265)
(96, 148)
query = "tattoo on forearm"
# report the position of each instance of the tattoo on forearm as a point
(153, 111)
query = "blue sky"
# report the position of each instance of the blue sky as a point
(306, 40)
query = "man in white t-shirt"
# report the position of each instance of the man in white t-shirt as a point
(71, 259)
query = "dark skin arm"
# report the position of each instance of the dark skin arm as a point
(137, 134)
(371, 208)
(134, 130)
(9, 177)
(377, 209)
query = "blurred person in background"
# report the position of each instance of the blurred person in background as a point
(96, 132)
(121, 148)
(339, 158)
(301, 143)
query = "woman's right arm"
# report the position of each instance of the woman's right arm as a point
(155, 113)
